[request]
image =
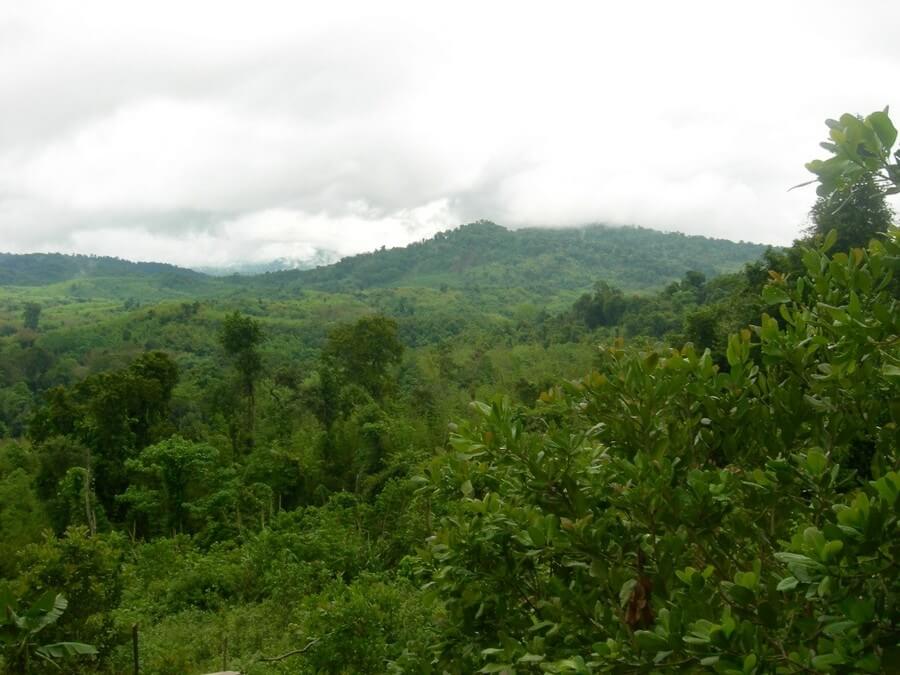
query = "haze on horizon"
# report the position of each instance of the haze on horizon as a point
(205, 133)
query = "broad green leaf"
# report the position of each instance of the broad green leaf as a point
(773, 294)
(787, 584)
(884, 128)
(59, 650)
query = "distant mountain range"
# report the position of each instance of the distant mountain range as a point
(479, 254)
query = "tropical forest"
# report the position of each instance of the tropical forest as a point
(582, 450)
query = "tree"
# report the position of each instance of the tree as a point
(87, 570)
(112, 415)
(604, 308)
(363, 351)
(858, 216)
(31, 315)
(701, 327)
(241, 337)
(167, 478)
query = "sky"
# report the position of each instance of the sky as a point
(207, 133)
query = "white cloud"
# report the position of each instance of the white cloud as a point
(209, 132)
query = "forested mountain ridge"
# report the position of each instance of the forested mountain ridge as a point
(41, 269)
(477, 254)
(487, 254)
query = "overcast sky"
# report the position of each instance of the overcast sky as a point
(208, 132)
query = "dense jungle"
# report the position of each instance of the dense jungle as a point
(582, 450)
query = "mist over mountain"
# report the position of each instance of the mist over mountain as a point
(320, 258)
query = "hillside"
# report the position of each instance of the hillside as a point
(41, 269)
(479, 254)
(486, 254)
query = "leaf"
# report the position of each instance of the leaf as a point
(775, 295)
(650, 641)
(750, 663)
(787, 584)
(824, 662)
(625, 591)
(889, 370)
(59, 650)
(45, 611)
(797, 559)
(816, 461)
(839, 628)
(884, 128)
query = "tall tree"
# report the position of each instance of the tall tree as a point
(858, 214)
(241, 336)
(363, 351)
(32, 315)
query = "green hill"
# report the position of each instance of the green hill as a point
(42, 269)
(485, 254)
(480, 254)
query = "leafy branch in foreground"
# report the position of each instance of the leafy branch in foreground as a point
(861, 148)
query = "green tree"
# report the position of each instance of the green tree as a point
(241, 337)
(701, 327)
(112, 415)
(31, 315)
(87, 570)
(22, 517)
(363, 352)
(604, 308)
(167, 478)
(858, 216)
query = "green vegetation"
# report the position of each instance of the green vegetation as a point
(574, 451)
(19, 633)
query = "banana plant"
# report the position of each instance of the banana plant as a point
(19, 630)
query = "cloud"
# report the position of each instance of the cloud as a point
(204, 133)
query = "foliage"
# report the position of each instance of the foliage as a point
(663, 513)
(169, 477)
(31, 315)
(241, 337)
(111, 415)
(363, 351)
(87, 571)
(710, 497)
(857, 217)
(861, 152)
(604, 308)
(19, 642)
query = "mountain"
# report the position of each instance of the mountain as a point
(486, 254)
(42, 269)
(481, 254)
